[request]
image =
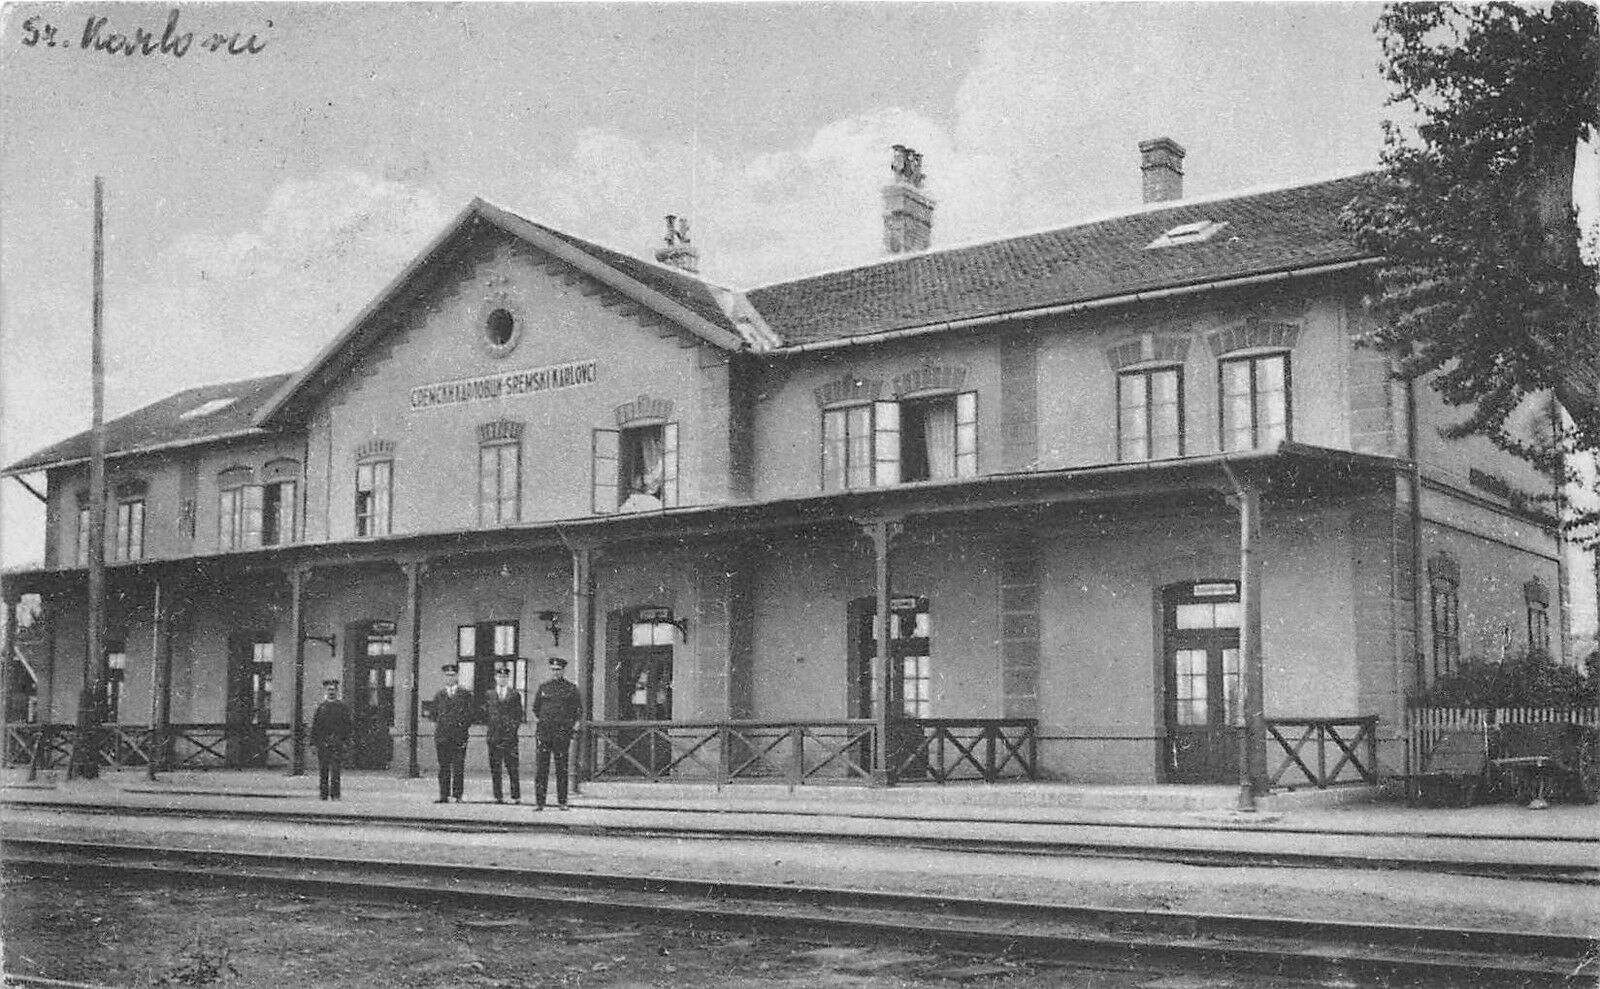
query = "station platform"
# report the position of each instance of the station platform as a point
(1352, 811)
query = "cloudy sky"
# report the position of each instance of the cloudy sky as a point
(255, 202)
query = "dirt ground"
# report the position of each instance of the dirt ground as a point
(122, 935)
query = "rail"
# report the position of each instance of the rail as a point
(1352, 743)
(1318, 950)
(797, 753)
(192, 745)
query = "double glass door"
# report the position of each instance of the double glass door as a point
(371, 694)
(644, 692)
(1204, 694)
(249, 710)
(910, 676)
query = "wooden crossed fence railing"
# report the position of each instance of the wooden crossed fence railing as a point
(1352, 744)
(185, 746)
(808, 752)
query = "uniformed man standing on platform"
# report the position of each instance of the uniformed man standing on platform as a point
(556, 710)
(331, 728)
(504, 715)
(452, 719)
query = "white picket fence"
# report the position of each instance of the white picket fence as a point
(1424, 725)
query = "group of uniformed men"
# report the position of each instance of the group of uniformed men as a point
(556, 709)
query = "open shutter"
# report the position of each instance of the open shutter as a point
(669, 464)
(885, 443)
(967, 434)
(605, 471)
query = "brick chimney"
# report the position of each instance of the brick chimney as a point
(678, 252)
(907, 210)
(1161, 161)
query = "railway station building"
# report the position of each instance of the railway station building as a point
(1031, 456)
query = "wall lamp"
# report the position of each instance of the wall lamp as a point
(552, 624)
(330, 640)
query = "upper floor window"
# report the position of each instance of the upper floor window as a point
(251, 515)
(238, 510)
(499, 472)
(1537, 597)
(128, 540)
(130, 529)
(279, 505)
(499, 483)
(1444, 581)
(1255, 401)
(1150, 414)
(374, 481)
(277, 513)
(915, 439)
(636, 468)
(81, 553)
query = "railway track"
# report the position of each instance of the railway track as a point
(1586, 872)
(1388, 955)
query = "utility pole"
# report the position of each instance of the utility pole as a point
(91, 701)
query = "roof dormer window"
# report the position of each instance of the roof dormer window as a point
(1188, 233)
(207, 408)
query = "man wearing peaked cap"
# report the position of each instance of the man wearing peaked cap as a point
(504, 715)
(452, 718)
(331, 728)
(557, 706)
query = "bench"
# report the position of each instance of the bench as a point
(1454, 769)
(1548, 760)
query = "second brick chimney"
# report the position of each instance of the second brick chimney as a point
(907, 210)
(677, 251)
(1161, 161)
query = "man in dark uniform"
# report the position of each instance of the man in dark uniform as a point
(556, 710)
(452, 717)
(331, 727)
(503, 714)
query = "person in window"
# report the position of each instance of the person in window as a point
(452, 717)
(646, 470)
(503, 715)
(331, 728)
(557, 706)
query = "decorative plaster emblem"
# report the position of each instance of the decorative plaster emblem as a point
(375, 450)
(643, 407)
(848, 388)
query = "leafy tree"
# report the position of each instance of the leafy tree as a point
(1487, 290)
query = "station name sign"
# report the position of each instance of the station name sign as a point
(507, 385)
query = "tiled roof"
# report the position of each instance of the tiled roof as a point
(681, 287)
(679, 295)
(164, 424)
(1279, 230)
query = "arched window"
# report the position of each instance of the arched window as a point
(499, 472)
(1444, 582)
(238, 509)
(374, 485)
(1537, 597)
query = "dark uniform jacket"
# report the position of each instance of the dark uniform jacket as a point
(557, 708)
(332, 725)
(503, 717)
(452, 716)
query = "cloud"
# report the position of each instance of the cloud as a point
(246, 302)
(764, 216)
